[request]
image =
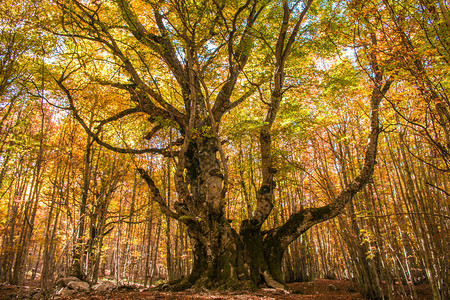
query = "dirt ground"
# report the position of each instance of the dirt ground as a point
(320, 289)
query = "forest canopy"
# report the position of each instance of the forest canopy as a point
(226, 144)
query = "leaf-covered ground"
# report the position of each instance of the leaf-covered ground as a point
(323, 289)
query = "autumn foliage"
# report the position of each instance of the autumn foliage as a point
(226, 144)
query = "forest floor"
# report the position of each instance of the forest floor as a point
(320, 289)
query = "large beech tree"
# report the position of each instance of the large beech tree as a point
(181, 66)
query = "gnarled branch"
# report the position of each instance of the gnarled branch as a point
(156, 195)
(95, 136)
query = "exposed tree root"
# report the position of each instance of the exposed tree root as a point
(208, 284)
(177, 285)
(271, 282)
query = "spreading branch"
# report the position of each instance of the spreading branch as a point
(95, 136)
(161, 44)
(156, 195)
(237, 60)
(304, 219)
(118, 116)
(100, 32)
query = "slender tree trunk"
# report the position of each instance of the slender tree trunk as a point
(148, 253)
(30, 211)
(155, 250)
(76, 267)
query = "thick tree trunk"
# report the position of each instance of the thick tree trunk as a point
(226, 260)
(231, 261)
(223, 258)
